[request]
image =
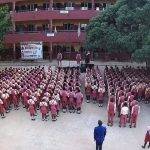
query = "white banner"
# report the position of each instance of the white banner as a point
(31, 50)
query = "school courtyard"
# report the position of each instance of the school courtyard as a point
(70, 131)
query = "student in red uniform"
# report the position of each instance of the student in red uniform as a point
(121, 100)
(71, 100)
(31, 108)
(5, 102)
(2, 109)
(64, 99)
(15, 99)
(147, 95)
(79, 100)
(134, 114)
(88, 90)
(25, 98)
(111, 110)
(147, 138)
(53, 109)
(44, 110)
(94, 93)
(100, 96)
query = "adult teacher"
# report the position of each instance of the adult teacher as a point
(99, 135)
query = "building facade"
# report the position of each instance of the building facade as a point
(59, 24)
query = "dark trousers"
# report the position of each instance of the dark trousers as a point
(146, 144)
(98, 146)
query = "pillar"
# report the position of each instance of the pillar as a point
(50, 25)
(14, 51)
(50, 4)
(14, 26)
(50, 51)
(93, 4)
(14, 6)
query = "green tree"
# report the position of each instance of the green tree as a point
(5, 24)
(123, 27)
(143, 54)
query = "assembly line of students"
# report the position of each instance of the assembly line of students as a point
(37, 89)
(60, 89)
(126, 87)
(94, 86)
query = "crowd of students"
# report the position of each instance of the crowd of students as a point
(94, 86)
(126, 88)
(38, 89)
(58, 89)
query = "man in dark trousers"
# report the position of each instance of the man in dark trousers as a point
(99, 135)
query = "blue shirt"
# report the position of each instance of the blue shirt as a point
(99, 134)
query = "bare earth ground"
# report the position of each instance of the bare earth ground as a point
(70, 131)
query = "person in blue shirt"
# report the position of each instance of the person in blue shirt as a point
(99, 135)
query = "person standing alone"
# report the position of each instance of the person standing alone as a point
(99, 135)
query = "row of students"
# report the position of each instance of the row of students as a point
(122, 99)
(38, 89)
(94, 86)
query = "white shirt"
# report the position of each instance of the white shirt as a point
(124, 110)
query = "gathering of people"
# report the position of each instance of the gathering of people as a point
(60, 88)
(127, 87)
(94, 86)
(38, 89)
(48, 91)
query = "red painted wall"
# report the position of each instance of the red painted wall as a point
(60, 37)
(53, 14)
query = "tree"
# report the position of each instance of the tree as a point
(143, 54)
(5, 23)
(122, 27)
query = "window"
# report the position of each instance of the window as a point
(45, 27)
(31, 27)
(46, 6)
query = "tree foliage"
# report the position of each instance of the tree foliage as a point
(123, 27)
(5, 23)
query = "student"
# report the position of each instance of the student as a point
(2, 109)
(111, 110)
(79, 100)
(147, 138)
(31, 108)
(44, 110)
(134, 115)
(124, 114)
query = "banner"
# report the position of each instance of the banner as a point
(31, 50)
